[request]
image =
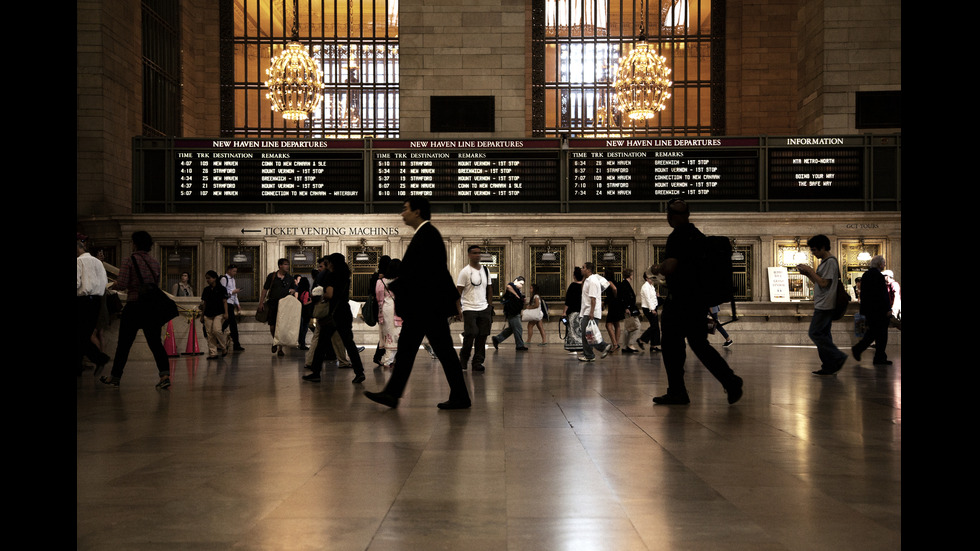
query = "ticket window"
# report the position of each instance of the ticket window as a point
(302, 260)
(790, 253)
(249, 279)
(549, 271)
(742, 272)
(363, 262)
(855, 258)
(609, 257)
(175, 260)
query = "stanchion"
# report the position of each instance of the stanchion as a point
(192, 348)
(170, 343)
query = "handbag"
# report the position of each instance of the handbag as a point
(531, 314)
(154, 307)
(592, 333)
(370, 310)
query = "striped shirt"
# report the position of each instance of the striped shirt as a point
(128, 281)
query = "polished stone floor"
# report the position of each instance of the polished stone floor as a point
(554, 455)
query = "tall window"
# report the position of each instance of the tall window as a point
(576, 48)
(161, 67)
(355, 42)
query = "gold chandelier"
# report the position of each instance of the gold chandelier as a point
(295, 82)
(642, 79)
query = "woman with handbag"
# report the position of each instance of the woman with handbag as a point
(339, 319)
(533, 315)
(145, 309)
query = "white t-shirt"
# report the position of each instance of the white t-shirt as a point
(592, 287)
(474, 283)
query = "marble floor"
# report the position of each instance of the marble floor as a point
(554, 455)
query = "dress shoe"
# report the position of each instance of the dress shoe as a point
(496, 343)
(672, 400)
(239, 348)
(450, 404)
(312, 377)
(522, 348)
(358, 379)
(478, 368)
(855, 353)
(735, 390)
(882, 362)
(382, 398)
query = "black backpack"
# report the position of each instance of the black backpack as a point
(714, 270)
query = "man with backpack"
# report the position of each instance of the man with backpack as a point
(825, 278)
(513, 301)
(685, 309)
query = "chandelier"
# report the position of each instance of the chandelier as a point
(642, 80)
(295, 82)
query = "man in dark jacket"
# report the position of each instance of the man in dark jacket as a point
(425, 299)
(876, 308)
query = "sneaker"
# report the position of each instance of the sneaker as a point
(496, 343)
(672, 399)
(605, 352)
(164, 383)
(109, 380)
(586, 359)
(728, 343)
(312, 377)
(734, 391)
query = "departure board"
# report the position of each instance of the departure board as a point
(816, 168)
(269, 170)
(657, 169)
(466, 170)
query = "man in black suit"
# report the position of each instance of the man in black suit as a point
(425, 299)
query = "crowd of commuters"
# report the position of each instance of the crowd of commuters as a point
(415, 298)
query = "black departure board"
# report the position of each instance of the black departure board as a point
(816, 168)
(466, 170)
(269, 170)
(657, 169)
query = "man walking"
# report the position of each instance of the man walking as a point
(513, 305)
(425, 300)
(591, 310)
(473, 285)
(685, 310)
(876, 308)
(234, 306)
(90, 284)
(826, 278)
(648, 301)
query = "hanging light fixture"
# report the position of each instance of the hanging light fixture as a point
(642, 80)
(295, 82)
(863, 254)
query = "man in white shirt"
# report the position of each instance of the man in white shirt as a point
(591, 310)
(228, 280)
(90, 285)
(648, 301)
(473, 284)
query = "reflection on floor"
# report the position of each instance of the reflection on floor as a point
(554, 455)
